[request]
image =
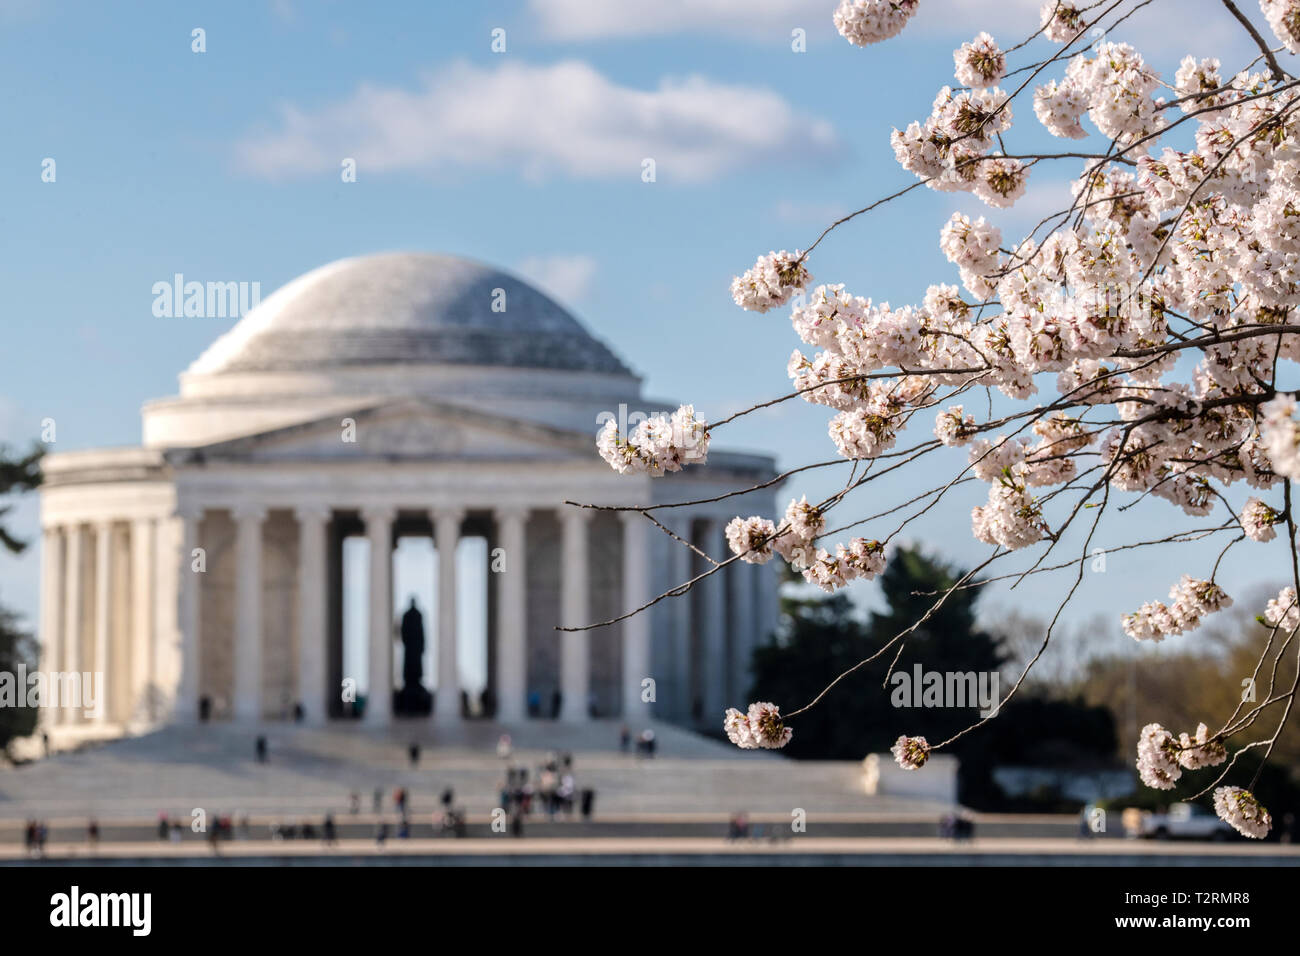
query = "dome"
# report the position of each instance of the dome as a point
(406, 308)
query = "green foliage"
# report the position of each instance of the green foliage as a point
(1039, 732)
(17, 474)
(16, 647)
(823, 639)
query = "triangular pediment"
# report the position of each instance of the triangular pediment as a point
(407, 430)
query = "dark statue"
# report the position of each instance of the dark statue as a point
(412, 698)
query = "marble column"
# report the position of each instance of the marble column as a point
(186, 704)
(74, 610)
(575, 610)
(714, 544)
(744, 634)
(51, 615)
(379, 698)
(164, 652)
(312, 692)
(101, 667)
(679, 614)
(446, 524)
(248, 612)
(767, 602)
(636, 629)
(512, 617)
(143, 565)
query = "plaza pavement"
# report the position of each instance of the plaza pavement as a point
(314, 771)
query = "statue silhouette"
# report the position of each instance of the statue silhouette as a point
(412, 646)
(413, 698)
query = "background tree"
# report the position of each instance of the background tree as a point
(821, 633)
(18, 474)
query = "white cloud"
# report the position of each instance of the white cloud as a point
(542, 121)
(1199, 27)
(566, 278)
(592, 19)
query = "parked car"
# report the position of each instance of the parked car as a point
(1188, 821)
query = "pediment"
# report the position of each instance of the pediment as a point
(403, 431)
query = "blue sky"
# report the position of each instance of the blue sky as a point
(224, 165)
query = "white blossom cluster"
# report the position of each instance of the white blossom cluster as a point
(1190, 600)
(997, 460)
(1157, 758)
(980, 63)
(1162, 757)
(863, 22)
(1239, 809)
(862, 558)
(863, 432)
(1012, 517)
(751, 538)
(972, 246)
(1002, 181)
(1200, 750)
(803, 523)
(770, 281)
(756, 539)
(1117, 85)
(1196, 83)
(911, 753)
(1282, 611)
(1257, 520)
(658, 445)
(953, 427)
(951, 150)
(1059, 106)
(1061, 20)
(1284, 17)
(761, 727)
(1114, 88)
(1281, 435)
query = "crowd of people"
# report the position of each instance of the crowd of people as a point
(224, 827)
(550, 788)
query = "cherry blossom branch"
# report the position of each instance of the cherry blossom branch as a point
(1279, 74)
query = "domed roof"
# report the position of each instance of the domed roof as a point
(406, 307)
